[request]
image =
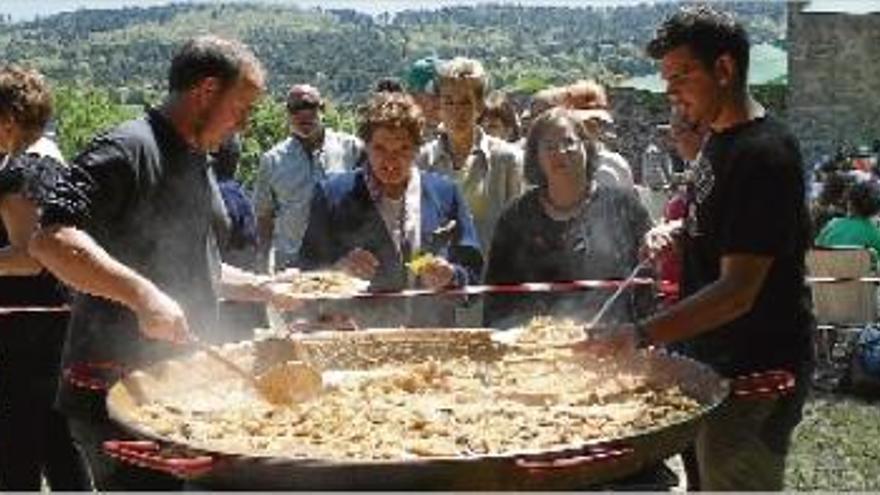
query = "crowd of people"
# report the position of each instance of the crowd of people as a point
(845, 202)
(148, 229)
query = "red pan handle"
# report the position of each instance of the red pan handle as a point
(95, 376)
(149, 455)
(555, 462)
(764, 385)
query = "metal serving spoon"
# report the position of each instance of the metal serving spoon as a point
(627, 283)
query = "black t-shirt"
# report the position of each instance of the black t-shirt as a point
(151, 205)
(748, 198)
(34, 177)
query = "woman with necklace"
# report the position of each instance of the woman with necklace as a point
(568, 227)
(373, 222)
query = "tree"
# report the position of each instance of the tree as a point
(267, 126)
(81, 113)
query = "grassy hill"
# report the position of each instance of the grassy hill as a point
(344, 52)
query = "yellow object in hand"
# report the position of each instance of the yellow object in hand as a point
(421, 262)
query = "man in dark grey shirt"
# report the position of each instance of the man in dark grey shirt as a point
(140, 248)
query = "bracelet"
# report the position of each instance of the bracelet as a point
(643, 340)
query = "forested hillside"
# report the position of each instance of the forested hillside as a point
(344, 52)
(106, 64)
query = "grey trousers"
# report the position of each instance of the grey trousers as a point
(742, 446)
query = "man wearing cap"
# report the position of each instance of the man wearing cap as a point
(289, 172)
(421, 83)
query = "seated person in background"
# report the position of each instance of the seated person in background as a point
(569, 227)
(831, 202)
(856, 229)
(372, 222)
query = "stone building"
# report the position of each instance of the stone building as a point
(834, 75)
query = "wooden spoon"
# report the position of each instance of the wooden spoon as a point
(283, 384)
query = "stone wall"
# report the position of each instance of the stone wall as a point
(636, 115)
(833, 79)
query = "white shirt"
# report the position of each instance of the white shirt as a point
(409, 206)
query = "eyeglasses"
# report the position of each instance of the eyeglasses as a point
(302, 105)
(564, 145)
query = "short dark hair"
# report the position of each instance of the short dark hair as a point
(226, 157)
(389, 85)
(708, 33)
(211, 56)
(864, 198)
(835, 189)
(25, 98)
(531, 166)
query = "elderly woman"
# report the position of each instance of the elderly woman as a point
(371, 223)
(567, 228)
(35, 441)
(488, 169)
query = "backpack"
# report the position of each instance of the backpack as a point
(865, 371)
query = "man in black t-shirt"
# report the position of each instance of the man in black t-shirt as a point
(745, 307)
(137, 241)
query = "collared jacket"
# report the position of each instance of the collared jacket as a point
(491, 177)
(344, 217)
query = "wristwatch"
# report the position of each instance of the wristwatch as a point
(643, 340)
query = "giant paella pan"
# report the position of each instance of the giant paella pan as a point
(415, 409)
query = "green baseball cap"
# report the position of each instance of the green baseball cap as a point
(420, 76)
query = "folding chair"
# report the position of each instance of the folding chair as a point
(841, 309)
